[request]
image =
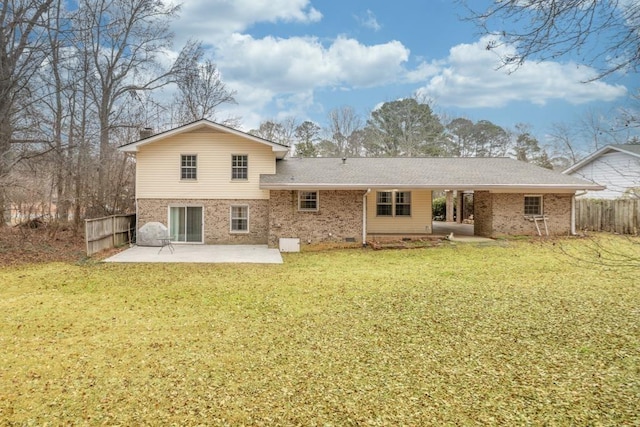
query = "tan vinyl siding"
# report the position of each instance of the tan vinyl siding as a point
(418, 222)
(158, 167)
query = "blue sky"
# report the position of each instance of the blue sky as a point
(303, 58)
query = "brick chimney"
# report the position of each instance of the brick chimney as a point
(146, 133)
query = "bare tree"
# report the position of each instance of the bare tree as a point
(605, 33)
(201, 90)
(22, 51)
(282, 132)
(55, 95)
(343, 122)
(122, 41)
(565, 151)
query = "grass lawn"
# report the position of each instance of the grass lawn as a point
(513, 334)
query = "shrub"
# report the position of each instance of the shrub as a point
(439, 208)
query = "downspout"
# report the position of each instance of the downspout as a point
(364, 217)
(573, 211)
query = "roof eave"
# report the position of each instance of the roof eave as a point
(595, 155)
(479, 187)
(134, 146)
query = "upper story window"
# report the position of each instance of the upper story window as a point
(188, 166)
(533, 205)
(390, 203)
(239, 166)
(307, 200)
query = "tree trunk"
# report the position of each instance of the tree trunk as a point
(5, 148)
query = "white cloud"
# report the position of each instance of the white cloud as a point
(369, 20)
(284, 74)
(303, 63)
(278, 77)
(423, 71)
(210, 20)
(471, 77)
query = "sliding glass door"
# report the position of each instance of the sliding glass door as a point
(185, 223)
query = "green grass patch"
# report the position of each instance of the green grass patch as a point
(521, 333)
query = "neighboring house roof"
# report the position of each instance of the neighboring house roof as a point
(630, 149)
(281, 150)
(464, 173)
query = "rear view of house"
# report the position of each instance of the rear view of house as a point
(202, 181)
(212, 184)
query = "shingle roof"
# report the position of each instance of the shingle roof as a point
(417, 172)
(281, 150)
(632, 148)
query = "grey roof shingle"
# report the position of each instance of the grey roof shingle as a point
(632, 148)
(417, 172)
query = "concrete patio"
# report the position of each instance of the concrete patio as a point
(442, 228)
(256, 254)
(456, 232)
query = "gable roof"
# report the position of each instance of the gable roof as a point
(281, 150)
(630, 149)
(460, 173)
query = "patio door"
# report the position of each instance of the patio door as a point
(185, 224)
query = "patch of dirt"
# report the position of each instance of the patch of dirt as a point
(405, 244)
(39, 243)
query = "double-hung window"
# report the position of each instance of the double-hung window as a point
(239, 166)
(307, 200)
(384, 203)
(403, 203)
(240, 219)
(533, 205)
(188, 166)
(393, 203)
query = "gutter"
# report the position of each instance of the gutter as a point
(364, 217)
(548, 188)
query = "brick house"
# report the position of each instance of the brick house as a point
(215, 185)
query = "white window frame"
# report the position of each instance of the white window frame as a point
(407, 203)
(232, 218)
(390, 203)
(300, 200)
(235, 168)
(202, 223)
(524, 202)
(393, 203)
(193, 168)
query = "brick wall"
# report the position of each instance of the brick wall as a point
(482, 213)
(338, 218)
(216, 218)
(497, 214)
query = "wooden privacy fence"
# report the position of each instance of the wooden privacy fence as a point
(108, 232)
(618, 216)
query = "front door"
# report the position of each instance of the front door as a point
(186, 224)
